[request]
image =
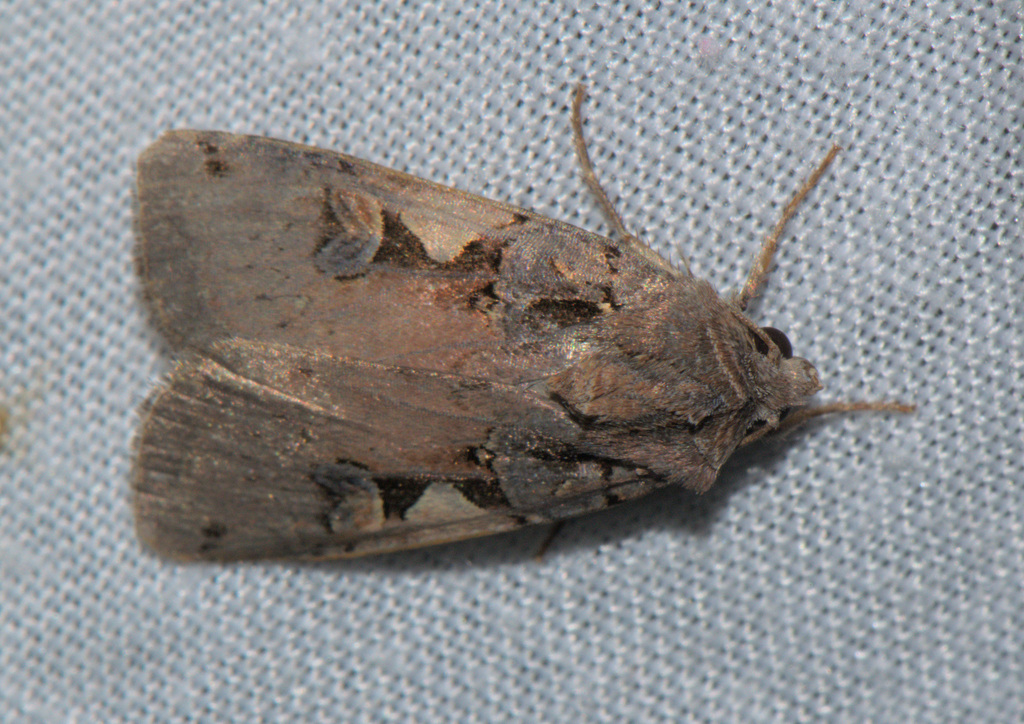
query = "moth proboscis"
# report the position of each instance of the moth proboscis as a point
(372, 362)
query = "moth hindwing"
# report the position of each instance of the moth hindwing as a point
(372, 362)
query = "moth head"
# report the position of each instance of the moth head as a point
(793, 379)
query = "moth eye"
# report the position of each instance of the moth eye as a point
(757, 425)
(781, 341)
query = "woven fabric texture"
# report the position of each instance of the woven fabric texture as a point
(866, 568)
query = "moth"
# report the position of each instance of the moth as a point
(373, 362)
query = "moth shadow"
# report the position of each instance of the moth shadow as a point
(671, 508)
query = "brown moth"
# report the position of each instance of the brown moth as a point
(373, 362)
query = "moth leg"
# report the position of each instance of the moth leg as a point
(759, 272)
(799, 417)
(545, 544)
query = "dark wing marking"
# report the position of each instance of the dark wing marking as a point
(273, 241)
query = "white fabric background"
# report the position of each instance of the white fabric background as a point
(866, 568)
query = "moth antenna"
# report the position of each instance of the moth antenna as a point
(762, 265)
(799, 417)
(587, 168)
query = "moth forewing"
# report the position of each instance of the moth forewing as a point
(372, 362)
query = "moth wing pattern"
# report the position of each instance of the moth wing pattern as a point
(374, 362)
(284, 453)
(301, 279)
(266, 240)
